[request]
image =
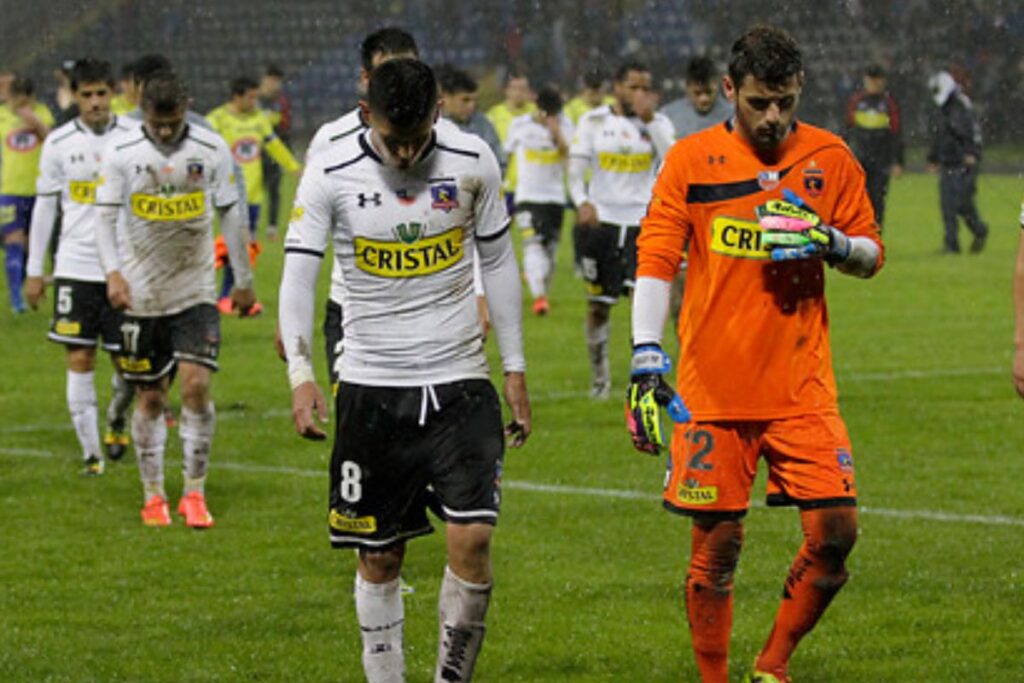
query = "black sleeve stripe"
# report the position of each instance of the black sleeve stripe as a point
(344, 164)
(496, 235)
(117, 205)
(67, 135)
(339, 136)
(456, 150)
(721, 192)
(131, 143)
(202, 142)
(303, 250)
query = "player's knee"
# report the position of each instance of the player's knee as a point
(599, 313)
(81, 358)
(195, 390)
(833, 537)
(381, 566)
(151, 401)
(469, 551)
(716, 553)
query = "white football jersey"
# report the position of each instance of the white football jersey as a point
(623, 154)
(168, 196)
(540, 167)
(404, 240)
(69, 168)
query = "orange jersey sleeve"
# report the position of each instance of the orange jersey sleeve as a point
(753, 333)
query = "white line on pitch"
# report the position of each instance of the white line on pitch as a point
(929, 515)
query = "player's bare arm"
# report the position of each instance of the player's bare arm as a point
(518, 400)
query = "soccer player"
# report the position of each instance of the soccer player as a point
(171, 177)
(955, 153)
(378, 47)
(126, 99)
(459, 105)
(24, 123)
(701, 107)
(766, 202)
(68, 169)
(518, 102)
(873, 125)
(621, 144)
(540, 143)
(403, 203)
(592, 95)
(249, 133)
(278, 107)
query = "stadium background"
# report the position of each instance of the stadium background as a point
(316, 42)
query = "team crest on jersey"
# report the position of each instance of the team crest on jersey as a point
(194, 170)
(245, 150)
(408, 232)
(22, 141)
(844, 459)
(814, 180)
(768, 180)
(444, 196)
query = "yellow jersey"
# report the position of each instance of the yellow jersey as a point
(501, 115)
(578, 106)
(119, 105)
(248, 135)
(20, 150)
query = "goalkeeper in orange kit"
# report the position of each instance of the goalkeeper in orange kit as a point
(765, 202)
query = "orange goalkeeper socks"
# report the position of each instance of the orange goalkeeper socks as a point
(715, 552)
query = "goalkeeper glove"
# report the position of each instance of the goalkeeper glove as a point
(649, 392)
(791, 230)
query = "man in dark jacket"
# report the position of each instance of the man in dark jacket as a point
(873, 132)
(955, 153)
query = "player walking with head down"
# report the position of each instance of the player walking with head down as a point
(766, 202)
(404, 205)
(68, 171)
(171, 177)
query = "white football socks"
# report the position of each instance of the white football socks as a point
(196, 429)
(597, 348)
(81, 396)
(120, 399)
(381, 620)
(461, 609)
(536, 267)
(150, 436)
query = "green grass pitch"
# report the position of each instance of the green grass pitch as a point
(589, 569)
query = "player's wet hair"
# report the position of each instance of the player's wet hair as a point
(593, 78)
(403, 91)
(91, 70)
(549, 100)
(147, 65)
(23, 85)
(701, 70)
(274, 70)
(389, 40)
(630, 65)
(242, 84)
(874, 71)
(513, 73)
(128, 71)
(454, 80)
(165, 92)
(767, 53)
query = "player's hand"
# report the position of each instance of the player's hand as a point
(644, 103)
(586, 214)
(648, 393)
(243, 299)
(1018, 371)
(791, 230)
(309, 408)
(518, 400)
(279, 344)
(118, 291)
(35, 291)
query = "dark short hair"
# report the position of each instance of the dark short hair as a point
(454, 80)
(403, 91)
(593, 78)
(164, 92)
(242, 84)
(128, 71)
(549, 100)
(701, 70)
(91, 70)
(23, 85)
(389, 40)
(628, 65)
(274, 70)
(767, 53)
(514, 73)
(147, 65)
(874, 71)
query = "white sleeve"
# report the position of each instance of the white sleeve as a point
(490, 211)
(109, 198)
(51, 176)
(511, 140)
(225, 179)
(236, 236)
(663, 134)
(478, 278)
(650, 309)
(296, 301)
(43, 217)
(318, 144)
(580, 155)
(503, 288)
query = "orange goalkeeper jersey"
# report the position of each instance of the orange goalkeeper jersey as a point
(753, 333)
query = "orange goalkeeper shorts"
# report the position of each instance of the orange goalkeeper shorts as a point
(713, 464)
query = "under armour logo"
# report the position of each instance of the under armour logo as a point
(364, 199)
